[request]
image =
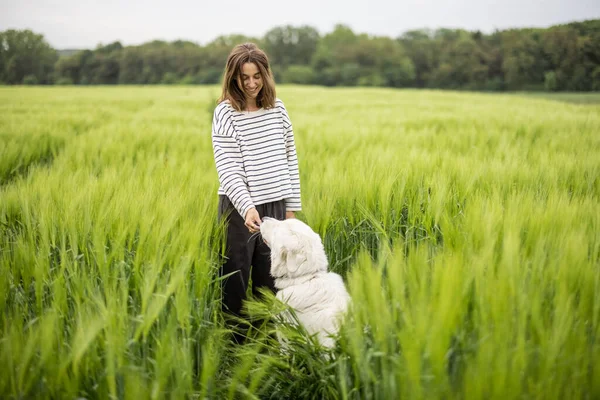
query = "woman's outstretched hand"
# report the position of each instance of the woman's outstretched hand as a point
(289, 214)
(252, 220)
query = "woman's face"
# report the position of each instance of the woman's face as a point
(251, 80)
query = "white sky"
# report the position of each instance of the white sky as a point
(86, 23)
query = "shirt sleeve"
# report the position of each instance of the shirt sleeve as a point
(291, 203)
(229, 162)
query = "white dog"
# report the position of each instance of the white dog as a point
(299, 266)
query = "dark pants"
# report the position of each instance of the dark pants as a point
(246, 255)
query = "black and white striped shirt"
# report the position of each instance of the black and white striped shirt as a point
(255, 155)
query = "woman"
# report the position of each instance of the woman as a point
(256, 162)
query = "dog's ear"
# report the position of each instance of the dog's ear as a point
(278, 260)
(288, 253)
(295, 253)
(294, 262)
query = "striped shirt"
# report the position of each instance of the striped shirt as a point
(255, 156)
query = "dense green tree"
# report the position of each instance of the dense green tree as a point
(299, 74)
(387, 61)
(421, 49)
(25, 54)
(287, 45)
(462, 62)
(561, 57)
(523, 59)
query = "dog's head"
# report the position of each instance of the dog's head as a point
(296, 250)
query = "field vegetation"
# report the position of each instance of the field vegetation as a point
(466, 226)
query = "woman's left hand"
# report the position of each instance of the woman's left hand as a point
(289, 214)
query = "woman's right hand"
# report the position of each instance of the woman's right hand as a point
(252, 220)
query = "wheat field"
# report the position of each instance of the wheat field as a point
(466, 227)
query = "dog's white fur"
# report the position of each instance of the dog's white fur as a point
(299, 266)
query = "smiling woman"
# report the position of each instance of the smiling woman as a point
(248, 82)
(251, 83)
(255, 156)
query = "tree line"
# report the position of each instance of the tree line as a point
(559, 58)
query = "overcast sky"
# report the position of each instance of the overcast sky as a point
(86, 23)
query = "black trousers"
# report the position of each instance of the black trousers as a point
(246, 255)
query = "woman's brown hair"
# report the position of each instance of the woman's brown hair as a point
(241, 54)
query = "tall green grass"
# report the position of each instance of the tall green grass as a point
(466, 227)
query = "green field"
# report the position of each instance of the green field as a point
(575, 98)
(466, 226)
